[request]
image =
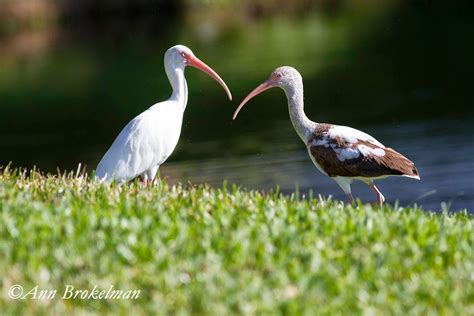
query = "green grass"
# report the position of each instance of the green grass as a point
(200, 250)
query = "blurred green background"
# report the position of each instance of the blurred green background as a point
(73, 73)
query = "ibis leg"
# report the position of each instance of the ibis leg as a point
(152, 174)
(380, 197)
(350, 199)
(345, 184)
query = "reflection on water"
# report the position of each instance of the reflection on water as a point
(442, 151)
(66, 92)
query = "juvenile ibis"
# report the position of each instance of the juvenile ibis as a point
(340, 152)
(150, 138)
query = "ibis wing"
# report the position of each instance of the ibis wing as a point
(347, 152)
(145, 142)
(370, 166)
(127, 156)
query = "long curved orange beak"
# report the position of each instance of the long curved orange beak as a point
(262, 87)
(197, 63)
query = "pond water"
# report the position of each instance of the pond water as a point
(442, 151)
(65, 93)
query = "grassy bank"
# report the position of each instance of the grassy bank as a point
(198, 250)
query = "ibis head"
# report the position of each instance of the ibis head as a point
(181, 56)
(285, 77)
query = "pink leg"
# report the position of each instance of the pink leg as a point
(345, 184)
(380, 197)
(350, 199)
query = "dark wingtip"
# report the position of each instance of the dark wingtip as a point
(415, 172)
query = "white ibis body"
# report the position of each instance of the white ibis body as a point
(150, 138)
(340, 152)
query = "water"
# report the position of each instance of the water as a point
(442, 151)
(66, 92)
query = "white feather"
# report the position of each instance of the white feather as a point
(143, 144)
(367, 151)
(352, 135)
(150, 138)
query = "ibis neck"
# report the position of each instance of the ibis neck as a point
(178, 83)
(302, 124)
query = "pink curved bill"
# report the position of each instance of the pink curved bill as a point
(197, 63)
(262, 87)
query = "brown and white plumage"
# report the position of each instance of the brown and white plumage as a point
(340, 152)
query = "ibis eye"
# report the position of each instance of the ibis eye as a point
(279, 75)
(184, 54)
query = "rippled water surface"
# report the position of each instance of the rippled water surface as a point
(400, 73)
(442, 150)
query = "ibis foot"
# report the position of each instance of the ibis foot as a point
(380, 197)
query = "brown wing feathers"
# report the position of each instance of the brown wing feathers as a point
(392, 163)
(364, 165)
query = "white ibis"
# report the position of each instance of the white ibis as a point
(150, 138)
(340, 152)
